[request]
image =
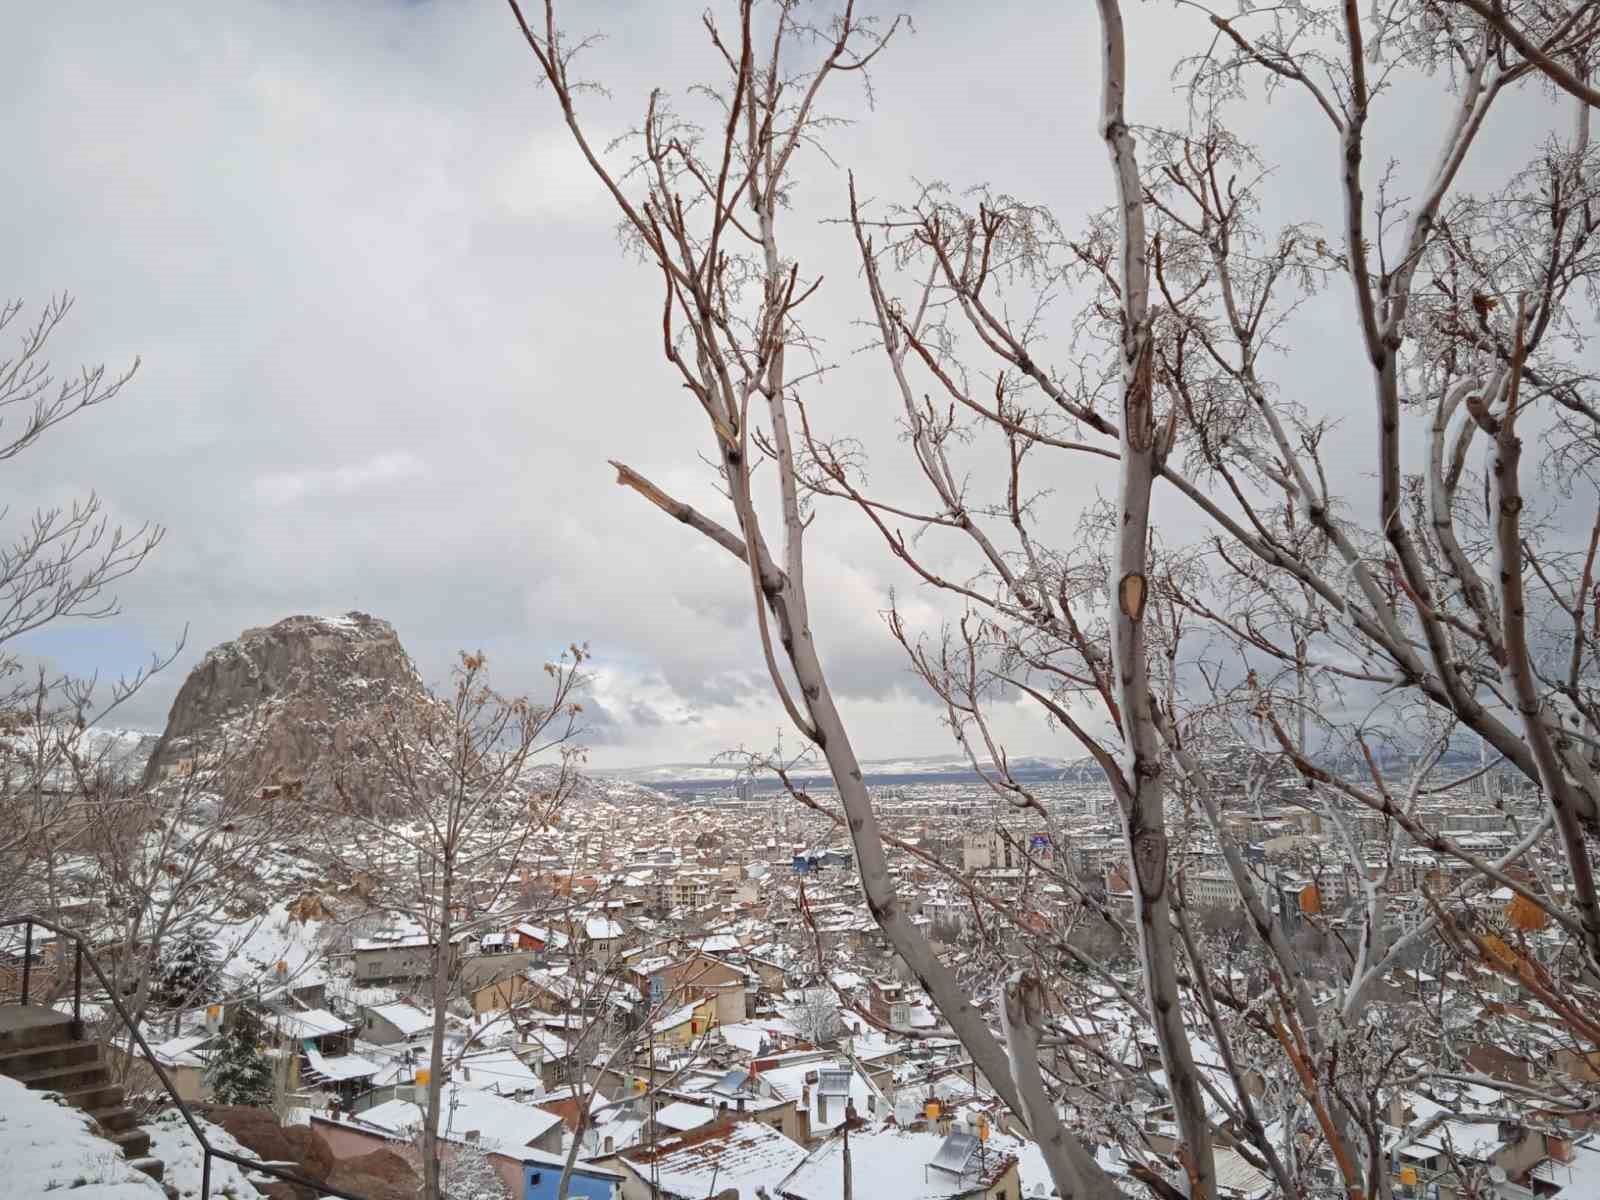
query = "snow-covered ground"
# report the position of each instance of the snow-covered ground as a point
(47, 1147)
(173, 1143)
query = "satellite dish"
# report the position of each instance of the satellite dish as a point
(1497, 1174)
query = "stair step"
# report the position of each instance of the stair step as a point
(64, 1079)
(29, 1027)
(135, 1143)
(113, 1117)
(152, 1167)
(39, 1058)
(98, 1095)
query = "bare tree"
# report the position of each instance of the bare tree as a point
(459, 802)
(64, 559)
(55, 564)
(1293, 629)
(185, 859)
(616, 1035)
(470, 1174)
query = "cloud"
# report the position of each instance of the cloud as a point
(287, 487)
(390, 340)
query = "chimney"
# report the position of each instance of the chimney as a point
(608, 1146)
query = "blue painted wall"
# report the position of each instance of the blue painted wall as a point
(542, 1183)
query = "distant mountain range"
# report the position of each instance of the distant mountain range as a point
(718, 777)
(938, 768)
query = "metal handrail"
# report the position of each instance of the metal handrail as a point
(83, 954)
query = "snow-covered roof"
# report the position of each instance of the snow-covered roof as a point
(308, 1023)
(906, 1164)
(551, 1045)
(598, 929)
(676, 1018)
(551, 937)
(340, 1067)
(748, 1035)
(502, 1125)
(741, 1156)
(682, 1117)
(391, 940)
(1579, 1177)
(788, 1082)
(180, 1051)
(407, 1018)
(497, 1071)
(1236, 1177)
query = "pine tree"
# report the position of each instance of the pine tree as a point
(189, 972)
(238, 1072)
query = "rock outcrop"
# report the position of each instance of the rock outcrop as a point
(292, 698)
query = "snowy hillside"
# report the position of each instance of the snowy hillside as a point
(51, 1147)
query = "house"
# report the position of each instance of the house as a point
(479, 970)
(598, 939)
(737, 1156)
(501, 994)
(387, 1024)
(662, 979)
(818, 1089)
(504, 1072)
(536, 939)
(739, 1093)
(541, 1175)
(506, 1131)
(548, 988)
(545, 1054)
(889, 1001)
(905, 1164)
(684, 1026)
(809, 862)
(324, 1050)
(184, 1059)
(393, 954)
(772, 975)
(495, 943)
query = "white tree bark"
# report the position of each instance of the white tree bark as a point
(1143, 800)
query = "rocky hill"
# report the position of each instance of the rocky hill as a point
(293, 697)
(294, 693)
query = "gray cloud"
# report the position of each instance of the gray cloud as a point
(389, 339)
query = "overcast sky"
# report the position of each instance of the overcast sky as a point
(389, 341)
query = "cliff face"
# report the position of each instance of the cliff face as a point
(296, 692)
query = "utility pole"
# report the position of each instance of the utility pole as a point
(849, 1120)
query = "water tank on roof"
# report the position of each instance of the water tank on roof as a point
(906, 1104)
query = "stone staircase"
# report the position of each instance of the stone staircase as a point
(40, 1049)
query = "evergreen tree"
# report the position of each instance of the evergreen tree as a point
(188, 972)
(238, 1072)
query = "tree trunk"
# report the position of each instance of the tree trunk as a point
(1143, 794)
(441, 999)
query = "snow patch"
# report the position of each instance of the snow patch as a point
(172, 1141)
(50, 1146)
